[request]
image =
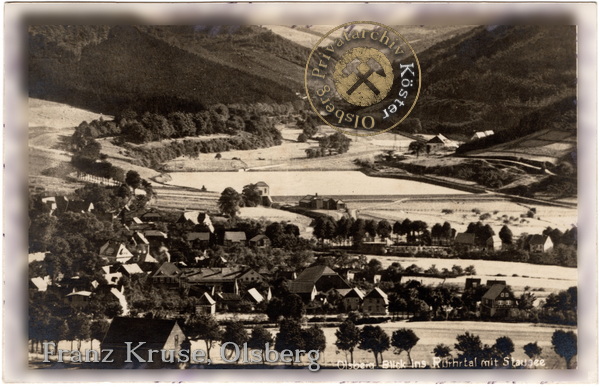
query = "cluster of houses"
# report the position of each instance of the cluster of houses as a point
(536, 243)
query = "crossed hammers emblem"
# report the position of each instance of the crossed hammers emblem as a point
(363, 78)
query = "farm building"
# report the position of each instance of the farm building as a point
(493, 243)
(480, 135)
(199, 240)
(353, 300)
(231, 238)
(440, 142)
(317, 202)
(539, 243)
(498, 301)
(323, 278)
(376, 302)
(206, 305)
(465, 241)
(167, 273)
(259, 241)
(305, 289)
(156, 334)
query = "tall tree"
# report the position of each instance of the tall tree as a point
(259, 338)
(289, 337)
(98, 329)
(375, 339)
(133, 179)
(371, 228)
(235, 332)
(469, 347)
(504, 346)
(314, 339)
(251, 195)
(404, 340)
(532, 350)
(564, 343)
(204, 327)
(229, 202)
(384, 229)
(348, 337)
(506, 235)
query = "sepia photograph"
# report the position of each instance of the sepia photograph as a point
(360, 195)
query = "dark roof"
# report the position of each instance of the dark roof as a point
(155, 233)
(198, 236)
(262, 184)
(154, 332)
(494, 291)
(538, 239)
(354, 292)
(79, 206)
(377, 293)
(259, 237)
(167, 269)
(313, 273)
(229, 297)
(300, 287)
(235, 236)
(466, 238)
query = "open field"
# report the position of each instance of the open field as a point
(430, 211)
(546, 145)
(516, 274)
(57, 115)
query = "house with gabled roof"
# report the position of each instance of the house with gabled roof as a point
(539, 243)
(130, 269)
(498, 301)
(353, 299)
(376, 302)
(156, 334)
(115, 252)
(440, 142)
(259, 240)
(206, 304)
(167, 273)
(465, 241)
(305, 289)
(39, 284)
(231, 238)
(493, 243)
(198, 240)
(323, 277)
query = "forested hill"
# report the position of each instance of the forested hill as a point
(166, 68)
(490, 77)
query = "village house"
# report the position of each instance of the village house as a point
(316, 202)
(465, 241)
(130, 269)
(78, 299)
(253, 296)
(198, 240)
(493, 243)
(156, 334)
(265, 195)
(353, 300)
(539, 243)
(323, 277)
(115, 252)
(167, 274)
(305, 289)
(79, 206)
(472, 283)
(440, 142)
(39, 284)
(259, 241)
(498, 301)
(231, 238)
(376, 302)
(206, 305)
(224, 280)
